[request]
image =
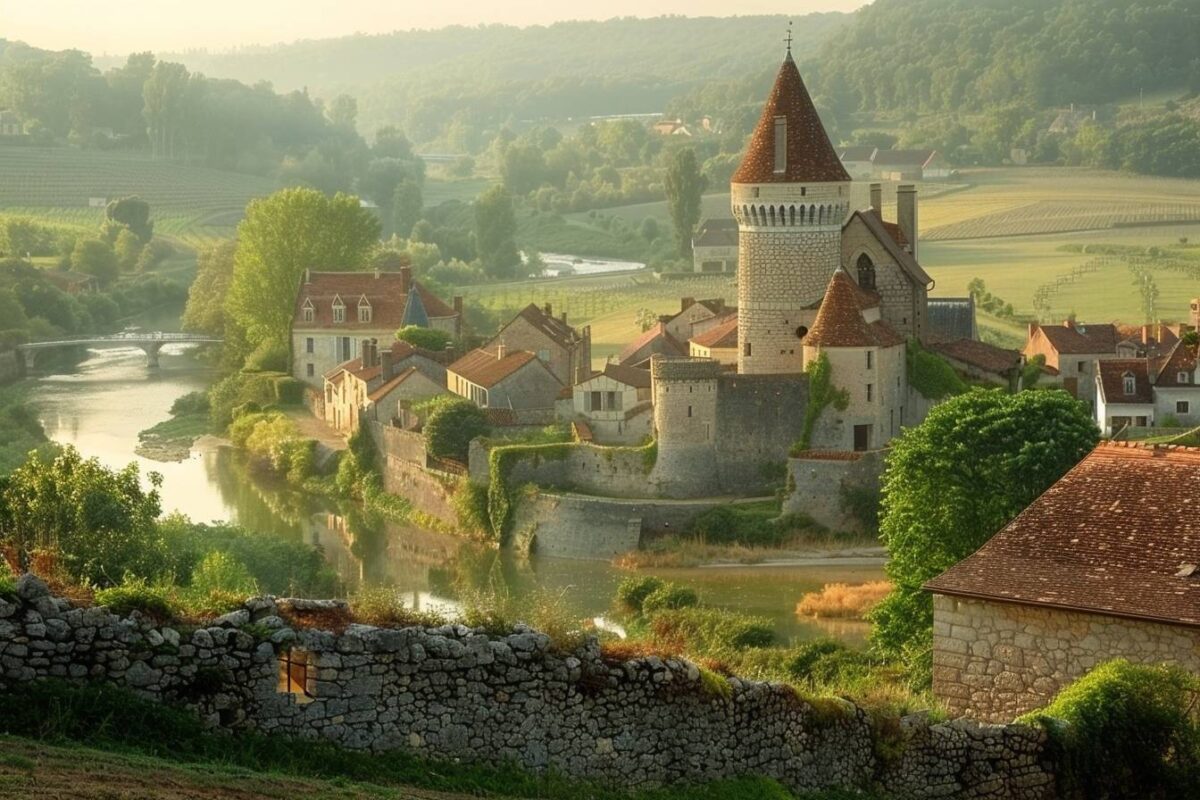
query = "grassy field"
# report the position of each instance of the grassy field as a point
(190, 204)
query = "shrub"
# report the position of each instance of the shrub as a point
(670, 596)
(930, 374)
(843, 600)
(384, 608)
(451, 427)
(190, 403)
(711, 630)
(633, 591)
(1127, 731)
(135, 594)
(743, 523)
(8, 581)
(470, 503)
(221, 572)
(269, 356)
(425, 338)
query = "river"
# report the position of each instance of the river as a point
(101, 404)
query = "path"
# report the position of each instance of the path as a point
(318, 429)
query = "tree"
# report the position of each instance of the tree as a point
(95, 257)
(406, 206)
(390, 142)
(684, 185)
(134, 214)
(205, 309)
(451, 427)
(165, 95)
(495, 227)
(127, 248)
(343, 110)
(953, 481)
(425, 338)
(101, 522)
(282, 236)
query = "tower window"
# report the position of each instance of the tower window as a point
(870, 359)
(780, 145)
(866, 272)
(689, 411)
(870, 392)
(746, 349)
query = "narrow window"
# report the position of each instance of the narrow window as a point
(780, 145)
(1183, 377)
(309, 313)
(1181, 407)
(866, 272)
(689, 411)
(870, 392)
(746, 349)
(1130, 383)
(339, 311)
(364, 313)
(1081, 366)
(309, 370)
(296, 677)
(597, 403)
(870, 359)
(309, 344)
(611, 401)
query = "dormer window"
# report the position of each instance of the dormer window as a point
(1130, 383)
(1183, 377)
(339, 310)
(364, 309)
(308, 311)
(780, 145)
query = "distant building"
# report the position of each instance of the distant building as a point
(718, 342)
(504, 379)
(1149, 391)
(694, 316)
(982, 361)
(715, 246)
(858, 160)
(565, 350)
(1102, 565)
(1071, 351)
(657, 340)
(615, 404)
(670, 127)
(335, 311)
(908, 165)
(373, 384)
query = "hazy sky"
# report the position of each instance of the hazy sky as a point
(122, 26)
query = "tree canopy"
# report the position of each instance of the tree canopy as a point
(451, 426)
(953, 481)
(685, 187)
(495, 227)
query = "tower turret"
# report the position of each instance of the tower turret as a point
(790, 196)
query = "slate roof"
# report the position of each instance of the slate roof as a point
(840, 321)
(948, 319)
(1112, 536)
(716, 233)
(484, 367)
(723, 335)
(810, 156)
(384, 291)
(1181, 358)
(1112, 381)
(1081, 338)
(630, 376)
(414, 312)
(387, 388)
(986, 357)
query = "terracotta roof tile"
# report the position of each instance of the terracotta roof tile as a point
(723, 335)
(485, 368)
(1109, 538)
(810, 156)
(1112, 380)
(985, 356)
(1181, 358)
(384, 292)
(658, 339)
(1082, 339)
(840, 322)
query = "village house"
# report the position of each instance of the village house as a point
(670, 127)
(372, 385)
(1103, 565)
(1149, 391)
(694, 316)
(982, 361)
(715, 246)
(566, 351)
(857, 160)
(504, 379)
(655, 340)
(718, 342)
(1071, 351)
(615, 404)
(336, 311)
(908, 165)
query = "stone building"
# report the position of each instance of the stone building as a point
(715, 246)
(654, 341)
(1103, 565)
(372, 385)
(566, 351)
(615, 404)
(718, 342)
(504, 379)
(1150, 390)
(694, 317)
(336, 311)
(1071, 351)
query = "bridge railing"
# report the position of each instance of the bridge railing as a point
(134, 338)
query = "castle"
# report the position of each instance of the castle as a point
(816, 280)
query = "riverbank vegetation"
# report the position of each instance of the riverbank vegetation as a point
(20, 430)
(843, 600)
(172, 439)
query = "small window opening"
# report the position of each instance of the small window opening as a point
(780, 145)
(296, 675)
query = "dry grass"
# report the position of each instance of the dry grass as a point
(843, 600)
(673, 552)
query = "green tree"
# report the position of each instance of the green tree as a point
(102, 523)
(495, 229)
(685, 186)
(953, 481)
(205, 309)
(343, 111)
(95, 257)
(134, 214)
(166, 97)
(426, 338)
(282, 236)
(451, 427)
(127, 248)
(406, 204)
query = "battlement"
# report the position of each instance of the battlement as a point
(663, 368)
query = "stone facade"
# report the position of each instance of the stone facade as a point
(902, 302)
(818, 484)
(995, 661)
(457, 693)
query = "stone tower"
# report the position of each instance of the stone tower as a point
(790, 196)
(685, 392)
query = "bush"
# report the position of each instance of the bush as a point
(135, 594)
(269, 356)
(425, 338)
(743, 523)
(384, 608)
(8, 581)
(930, 374)
(633, 591)
(221, 572)
(470, 503)
(706, 631)
(1127, 731)
(451, 427)
(190, 403)
(670, 596)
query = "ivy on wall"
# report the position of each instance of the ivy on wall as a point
(821, 394)
(930, 374)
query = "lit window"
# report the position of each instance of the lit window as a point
(296, 676)
(780, 144)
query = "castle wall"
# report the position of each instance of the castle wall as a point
(685, 425)
(902, 303)
(759, 418)
(995, 661)
(458, 693)
(818, 485)
(881, 407)
(609, 471)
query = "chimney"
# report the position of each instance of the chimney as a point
(685, 303)
(1195, 315)
(1147, 333)
(387, 364)
(877, 198)
(548, 310)
(376, 272)
(501, 350)
(906, 213)
(458, 304)
(368, 358)
(564, 317)
(1031, 330)
(307, 276)
(405, 279)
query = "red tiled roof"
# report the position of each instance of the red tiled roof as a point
(986, 356)
(1182, 358)
(1082, 339)
(655, 334)
(1112, 380)
(558, 331)
(840, 322)
(722, 335)
(810, 156)
(885, 335)
(1111, 537)
(384, 292)
(386, 388)
(896, 232)
(485, 368)
(354, 368)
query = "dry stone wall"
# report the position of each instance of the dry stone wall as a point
(454, 692)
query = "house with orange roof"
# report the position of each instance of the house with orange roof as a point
(567, 351)
(718, 342)
(372, 385)
(504, 379)
(1071, 351)
(1103, 565)
(335, 311)
(655, 340)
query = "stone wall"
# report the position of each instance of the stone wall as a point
(458, 693)
(995, 661)
(759, 418)
(610, 471)
(429, 491)
(818, 481)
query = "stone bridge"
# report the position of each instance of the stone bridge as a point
(150, 343)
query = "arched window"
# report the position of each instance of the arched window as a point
(866, 272)
(792, 215)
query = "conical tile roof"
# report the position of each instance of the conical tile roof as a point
(810, 156)
(840, 322)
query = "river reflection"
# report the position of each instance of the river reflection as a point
(102, 404)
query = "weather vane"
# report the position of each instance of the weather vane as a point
(788, 40)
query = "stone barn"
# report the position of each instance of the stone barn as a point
(1104, 565)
